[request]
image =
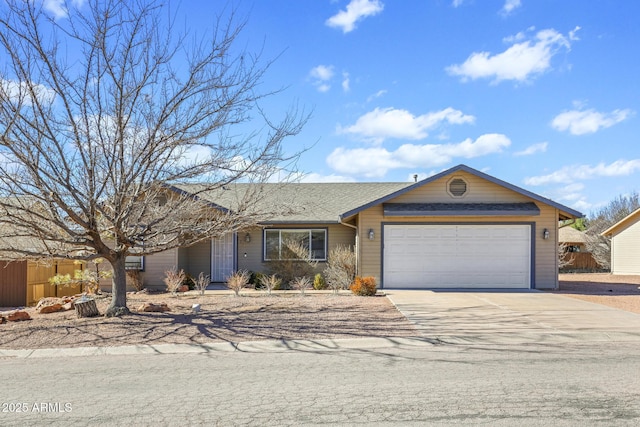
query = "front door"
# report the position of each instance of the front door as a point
(222, 257)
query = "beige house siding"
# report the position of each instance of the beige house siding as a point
(544, 253)
(155, 265)
(625, 250)
(196, 259)
(337, 234)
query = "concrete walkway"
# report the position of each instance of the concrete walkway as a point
(499, 317)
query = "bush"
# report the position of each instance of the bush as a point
(270, 283)
(173, 279)
(301, 284)
(255, 279)
(189, 281)
(319, 283)
(135, 279)
(296, 263)
(237, 281)
(364, 286)
(341, 268)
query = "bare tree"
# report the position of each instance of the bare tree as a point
(565, 258)
(614, 211)
(104, 112)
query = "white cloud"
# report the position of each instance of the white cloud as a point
(380, 124)
(58, 7)
(375, 162)
(573, 173)
(321, 76)
(21, 92)
(378, 94)
(580, 122)
(316, 177)
(532, 149)
(519, 62)
(346, 82)
(356, 11)
(457, 3)
(510, 6)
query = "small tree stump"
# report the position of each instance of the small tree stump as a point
(86, 308)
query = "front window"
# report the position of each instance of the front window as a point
(278, 243)
(134, 262)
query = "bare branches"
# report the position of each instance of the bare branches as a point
(105, 113)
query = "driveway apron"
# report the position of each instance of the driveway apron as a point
(517, 317)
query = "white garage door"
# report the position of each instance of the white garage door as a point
(457, 256)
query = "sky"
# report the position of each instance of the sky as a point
(543, 94)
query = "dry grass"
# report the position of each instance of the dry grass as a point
(222, 318)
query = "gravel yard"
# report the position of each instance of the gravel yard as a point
(222, 317)
(622, 292)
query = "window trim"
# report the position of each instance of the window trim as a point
(307, 229)
(140, 268)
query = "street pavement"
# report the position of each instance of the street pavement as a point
(454, 373)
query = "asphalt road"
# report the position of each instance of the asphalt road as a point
(381, 383)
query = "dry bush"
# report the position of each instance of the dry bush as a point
(301, 284)
(202, 282)
(270, 282)
(565, 258)
(173, 279)
(341, 268)
(238, 280)
(296, 262)
(135, 279)
(364, 286)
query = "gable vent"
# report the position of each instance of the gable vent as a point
(457, 187)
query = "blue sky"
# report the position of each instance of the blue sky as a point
(541, 93)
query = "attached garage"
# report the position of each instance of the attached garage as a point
(457, 256)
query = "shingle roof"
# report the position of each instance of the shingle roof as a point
(569, 234)
(332, 202)
(312, 202)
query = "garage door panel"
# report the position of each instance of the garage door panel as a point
(457, 256)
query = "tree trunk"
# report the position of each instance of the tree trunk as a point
(86, 308)
(118, 306)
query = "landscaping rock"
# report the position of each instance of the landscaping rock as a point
(68, 306)
(183, 288)
(17, 316)
(50, 308)
(150, 307)
(2, 320)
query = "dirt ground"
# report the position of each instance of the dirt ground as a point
(622, 292)
(253, 316)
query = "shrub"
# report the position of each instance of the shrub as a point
(135, 279)
(301, 284)
(296, 262)
(319, 283)
(238, 280)
(364, 286)
(255, 279)
(202, 282)
(173, 279)
(341, 268)
(270, 282)
(189, 282)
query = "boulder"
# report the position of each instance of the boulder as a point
(50, 308)
(150, 307)
(68, 306)
(183, 288)
(17, 316)
(45, 302)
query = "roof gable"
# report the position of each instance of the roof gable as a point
(565, 212)
(625, 222)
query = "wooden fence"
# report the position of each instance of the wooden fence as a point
(582, 261)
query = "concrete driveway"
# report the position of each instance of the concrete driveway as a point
(518, 317)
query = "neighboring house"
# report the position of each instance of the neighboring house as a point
(578, 256)
(625, 244)
(458, 229)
